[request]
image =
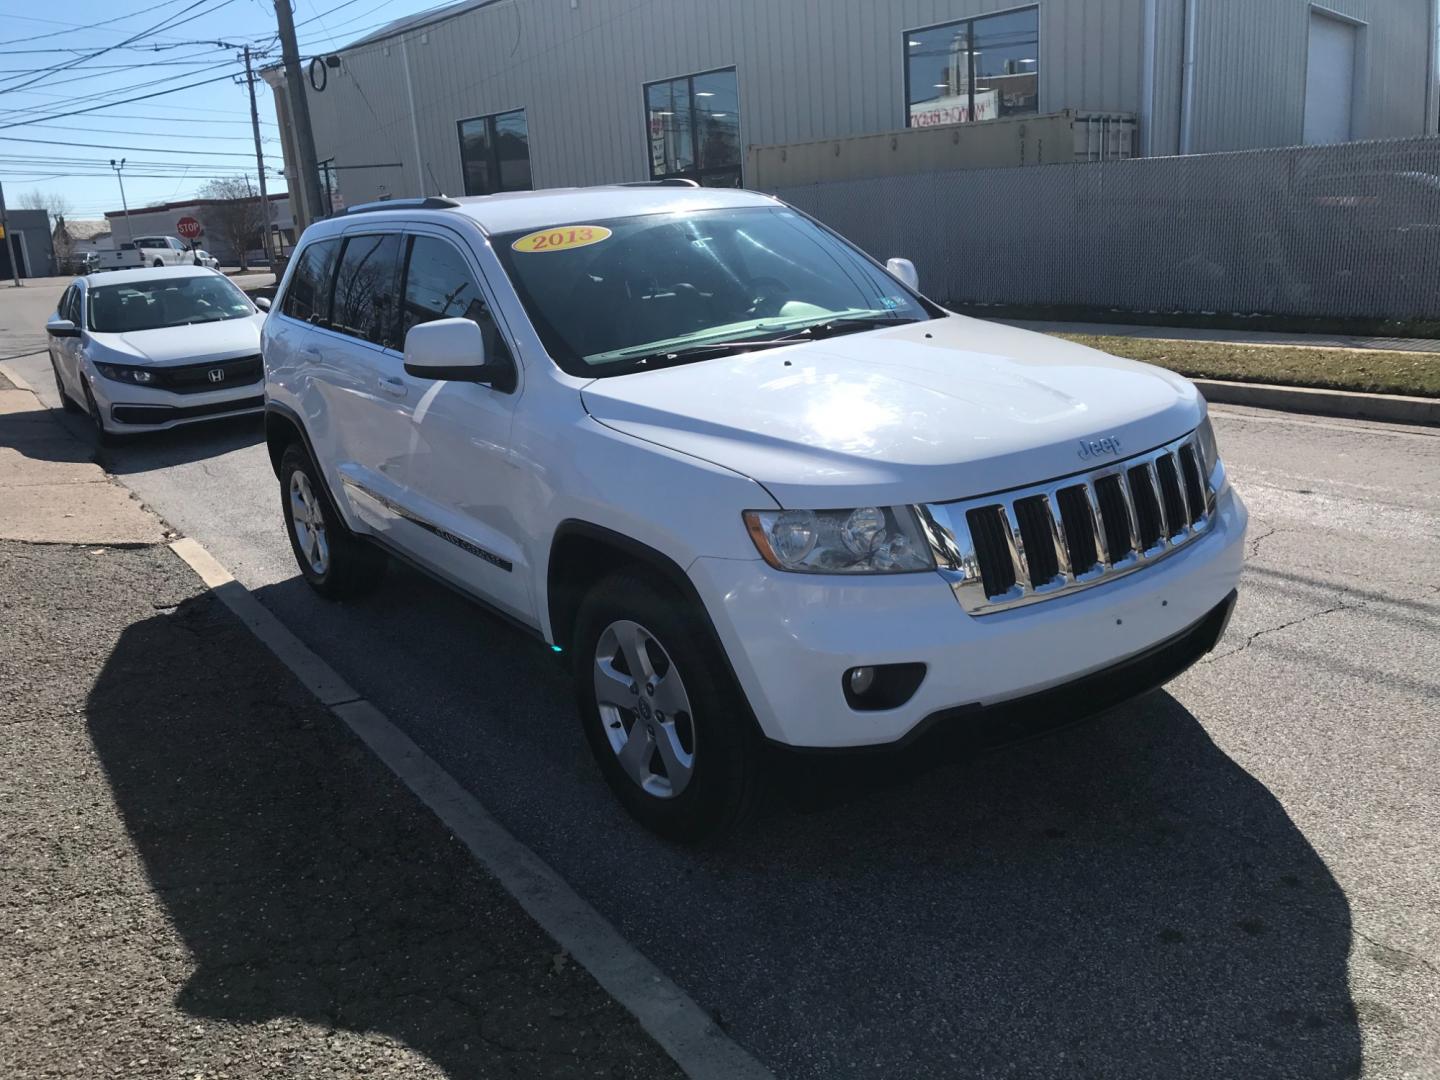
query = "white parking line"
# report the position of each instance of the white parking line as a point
(672, 1018)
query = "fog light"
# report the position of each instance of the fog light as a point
(861, 680)
(881, 686)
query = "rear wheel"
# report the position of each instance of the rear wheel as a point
(159, 263)
(670, 730)
(337, 563)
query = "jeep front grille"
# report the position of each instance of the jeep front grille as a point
(1031, 544)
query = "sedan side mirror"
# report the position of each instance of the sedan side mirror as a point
(454, 349)
(263, 303)
(905, 270)
(58, 327)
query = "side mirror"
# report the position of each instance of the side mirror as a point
(263, 303)
(58, 327)
(905, 270)
(454, 349)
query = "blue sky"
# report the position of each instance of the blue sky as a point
(209, 123)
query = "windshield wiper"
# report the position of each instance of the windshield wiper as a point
(795, 336)
(851, 325)
(708, 351)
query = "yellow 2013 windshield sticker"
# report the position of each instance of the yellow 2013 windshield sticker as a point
(569, 236)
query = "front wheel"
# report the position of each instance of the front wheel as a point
(337, 564)
(671, 731)
(66, 401)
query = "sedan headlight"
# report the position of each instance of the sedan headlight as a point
(867, 540)
(136, 376)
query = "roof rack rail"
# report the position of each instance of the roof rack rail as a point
(429, 202)
(673, 181)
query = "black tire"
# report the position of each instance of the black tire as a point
(66, 401)
(726, 782)
(351, 567)
(102, 437)
(159, 263)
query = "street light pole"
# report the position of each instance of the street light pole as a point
(125, 206)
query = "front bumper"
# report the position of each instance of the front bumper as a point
(791, 638)
(127, 408)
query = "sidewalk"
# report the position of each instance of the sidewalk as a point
(205, 874)
(1233, 337)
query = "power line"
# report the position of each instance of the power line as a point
(123, 101)
(127, 131)
(112, 146)
(167, 23)
(156, 119)
(77, 26)
(101, 94)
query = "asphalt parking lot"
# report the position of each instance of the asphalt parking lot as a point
(1236, 876)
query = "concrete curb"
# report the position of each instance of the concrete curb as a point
(1391, 408)
(682, 1028)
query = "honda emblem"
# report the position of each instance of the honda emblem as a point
(216, 374)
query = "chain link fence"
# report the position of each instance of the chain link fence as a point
(1349, 231)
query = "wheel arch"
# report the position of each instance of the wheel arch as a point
(582, 554)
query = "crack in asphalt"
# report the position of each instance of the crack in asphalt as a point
(1252, 638)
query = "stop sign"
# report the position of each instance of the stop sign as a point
(188, 227)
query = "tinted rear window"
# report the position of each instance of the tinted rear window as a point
(365, 288)
(308, 296)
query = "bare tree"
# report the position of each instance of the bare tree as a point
(238, 214)
(54, 204)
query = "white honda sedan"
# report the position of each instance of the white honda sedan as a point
(145, 350)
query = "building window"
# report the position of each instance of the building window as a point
(694, 128)
(495, 153)
(975, 69)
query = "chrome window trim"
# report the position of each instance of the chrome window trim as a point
(947, 529)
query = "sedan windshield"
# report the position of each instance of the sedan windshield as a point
(169, 301)
(612, 296)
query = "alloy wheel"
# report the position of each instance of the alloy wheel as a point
(308, 522)
(644, 709)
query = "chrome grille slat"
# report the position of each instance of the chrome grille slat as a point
(1057, 536)
(1000, 559)
(1176, 466)
(1097, 519)
(1017, 548)
(1158, 494)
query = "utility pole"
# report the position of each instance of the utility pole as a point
(259, 161)
(10, 240)
(300, 111)
(125, 206)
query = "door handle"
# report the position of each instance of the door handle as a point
(394, 387)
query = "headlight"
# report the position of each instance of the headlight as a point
(1209, 452)
(867, 540)
(118, 373)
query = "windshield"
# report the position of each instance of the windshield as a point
(606, 295)
(174, 301)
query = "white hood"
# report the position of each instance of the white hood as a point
(929, 411)
(222, 340)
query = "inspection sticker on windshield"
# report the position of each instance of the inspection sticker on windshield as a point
(571, 236)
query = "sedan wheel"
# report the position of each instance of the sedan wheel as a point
(309, 523)
(645, 709)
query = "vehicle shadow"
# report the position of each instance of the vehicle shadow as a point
(182, 445)
(305, 880)
(1116, 899)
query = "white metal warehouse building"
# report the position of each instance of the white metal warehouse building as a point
(493, 95)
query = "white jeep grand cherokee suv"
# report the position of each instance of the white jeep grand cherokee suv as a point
(755, 485)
